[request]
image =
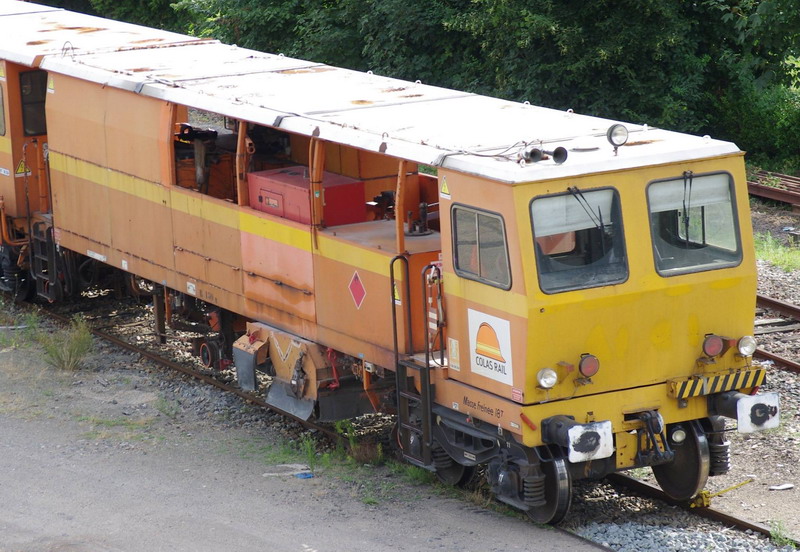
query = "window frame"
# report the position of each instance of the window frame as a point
(615, 196)
(670, 273)
(454, 243)
(24, 104)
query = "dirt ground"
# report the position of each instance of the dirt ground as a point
(104, 459)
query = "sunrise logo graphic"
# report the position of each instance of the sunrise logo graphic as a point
(488, 344)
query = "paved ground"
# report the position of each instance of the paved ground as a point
(84, 467)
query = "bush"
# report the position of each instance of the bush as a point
(66, 349)
(764, 122)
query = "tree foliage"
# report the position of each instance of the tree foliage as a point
(705, 66)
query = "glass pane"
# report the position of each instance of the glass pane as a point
(693, 224)
(579, 241)
(466, 234)
(494, 263)
(480, 247)
(33, 88)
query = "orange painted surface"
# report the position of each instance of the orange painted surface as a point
(12, 151)
(109, 127)
(278, 275)
(463, 295)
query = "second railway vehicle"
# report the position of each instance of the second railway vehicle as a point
(549, 295)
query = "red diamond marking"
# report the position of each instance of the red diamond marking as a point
(357, 290)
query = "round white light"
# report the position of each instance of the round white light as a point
(747, 345)
(547, 378)
(617, 135)
(678, 435)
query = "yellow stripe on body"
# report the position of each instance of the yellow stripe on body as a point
(195, 204)
(475, 292)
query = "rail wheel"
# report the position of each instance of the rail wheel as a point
(450, 472)
(209, 354)
(557, 493)
(687, 474)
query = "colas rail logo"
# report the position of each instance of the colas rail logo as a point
(490, 341)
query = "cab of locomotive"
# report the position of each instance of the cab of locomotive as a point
(641, 313)
(615, 308)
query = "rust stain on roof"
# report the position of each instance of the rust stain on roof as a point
(306, 70)
(362, 102)
(79, 30)
(140, 69)
(411, 96)
(37, 42)
(146, 40)
(642, 142)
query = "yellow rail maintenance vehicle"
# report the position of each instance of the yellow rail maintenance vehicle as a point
(550, 295)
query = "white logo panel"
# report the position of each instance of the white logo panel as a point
(490, 347)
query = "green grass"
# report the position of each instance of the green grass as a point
(770, 249)
(124, 429)
(167, 407)
(779, 535)
(67, 348)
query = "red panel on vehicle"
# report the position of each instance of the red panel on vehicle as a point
(285, 193)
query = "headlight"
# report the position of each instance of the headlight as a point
(547, 378)
(747, 345)
(617, 135)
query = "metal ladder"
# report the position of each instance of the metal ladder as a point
(415, 439)
(44, 262)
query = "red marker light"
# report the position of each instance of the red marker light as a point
(713, 345)
(588, 366)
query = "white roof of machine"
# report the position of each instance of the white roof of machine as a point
(30, 31)
(426, 124)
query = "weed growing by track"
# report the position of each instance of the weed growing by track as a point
(779, 535)
(66, 348)
(772, 250)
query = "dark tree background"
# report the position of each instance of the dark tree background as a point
(728, 68)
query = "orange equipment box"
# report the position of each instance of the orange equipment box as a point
(285, 193)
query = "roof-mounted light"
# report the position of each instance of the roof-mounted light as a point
(617, 135)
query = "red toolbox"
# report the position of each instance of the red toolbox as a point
(286, 193)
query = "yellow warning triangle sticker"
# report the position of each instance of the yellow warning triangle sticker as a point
(51, 86)
(396, 294)
(22, 168)
(445, 190)
(2, 71)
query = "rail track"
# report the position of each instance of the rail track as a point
(777, 187)
(634, 485)
(785, 309)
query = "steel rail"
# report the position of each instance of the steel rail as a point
(651, 491)
(786, 191)
(786, 309)
(783, 362)
(782, 307)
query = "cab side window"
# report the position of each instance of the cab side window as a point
(479, 244)
(33, 89)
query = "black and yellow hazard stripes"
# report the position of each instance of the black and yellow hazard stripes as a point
(716, 383)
